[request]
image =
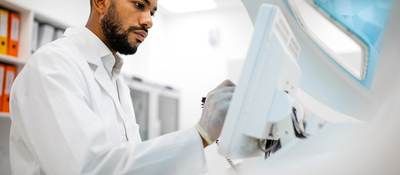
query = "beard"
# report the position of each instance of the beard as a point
(115, 36)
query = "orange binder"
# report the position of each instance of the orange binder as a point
(3, 31)
(2, 75)
(14, 22)
(10, 74)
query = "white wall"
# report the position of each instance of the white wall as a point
(178, 53)
(70, 12)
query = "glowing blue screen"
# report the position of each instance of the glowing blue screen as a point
(366, 19)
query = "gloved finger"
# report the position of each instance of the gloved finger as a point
(223, 106)
(221, 90)
(226, 83)
(223, 96)
(223, 100)
(215, 98)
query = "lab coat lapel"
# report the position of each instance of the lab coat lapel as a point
(127, 107)
(102, 78)
(126, 101)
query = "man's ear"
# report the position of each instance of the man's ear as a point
(100, 6)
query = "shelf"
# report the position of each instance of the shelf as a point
(11, 60)
(4, 116)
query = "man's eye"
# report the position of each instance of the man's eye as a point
(139, 5)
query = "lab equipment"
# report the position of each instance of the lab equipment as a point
(262, 103)
(331, 92)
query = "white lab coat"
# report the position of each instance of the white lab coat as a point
(68, 118)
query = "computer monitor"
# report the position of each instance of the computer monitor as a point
(262, 96)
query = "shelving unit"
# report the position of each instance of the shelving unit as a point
(26, 29)
(4, 116)
(27, 21)
(28, 17)
(11, 60)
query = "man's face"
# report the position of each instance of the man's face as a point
(126, 24)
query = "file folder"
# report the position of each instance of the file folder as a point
(2, 75)
(10, 74)
(35, 36)
(46, 34)
(14, 23)
(59, 34)
(3, 31)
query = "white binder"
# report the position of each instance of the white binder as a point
(46, 33)
(58, 34)
(35, 33)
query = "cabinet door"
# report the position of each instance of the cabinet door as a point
(141, 101)
(168, 112)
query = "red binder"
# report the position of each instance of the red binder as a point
(2, 75)
(10, 74)
(14, 23)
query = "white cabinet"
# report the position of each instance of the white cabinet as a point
(157, 107)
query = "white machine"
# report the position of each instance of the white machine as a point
(269, 110)
(262, 99)
(327, 97)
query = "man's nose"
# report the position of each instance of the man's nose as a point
(146, 20)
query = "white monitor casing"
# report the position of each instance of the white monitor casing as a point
(262, 96)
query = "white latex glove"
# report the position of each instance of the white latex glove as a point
(214, 111)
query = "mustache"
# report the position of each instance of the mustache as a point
(136, 28)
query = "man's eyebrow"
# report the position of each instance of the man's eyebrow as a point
(149, 3)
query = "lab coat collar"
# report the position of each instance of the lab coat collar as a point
(90, 45)
(113, 65)
(94, 50)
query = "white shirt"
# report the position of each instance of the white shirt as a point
(113, 64)
(68, 119)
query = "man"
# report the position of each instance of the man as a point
(72, 113)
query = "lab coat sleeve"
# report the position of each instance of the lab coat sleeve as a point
(50, 104)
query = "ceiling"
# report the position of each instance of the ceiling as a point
(228, 3)
(221, 4)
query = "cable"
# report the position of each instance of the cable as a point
(269, 147)
(300, 133)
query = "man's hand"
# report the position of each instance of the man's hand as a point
(214, 112)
